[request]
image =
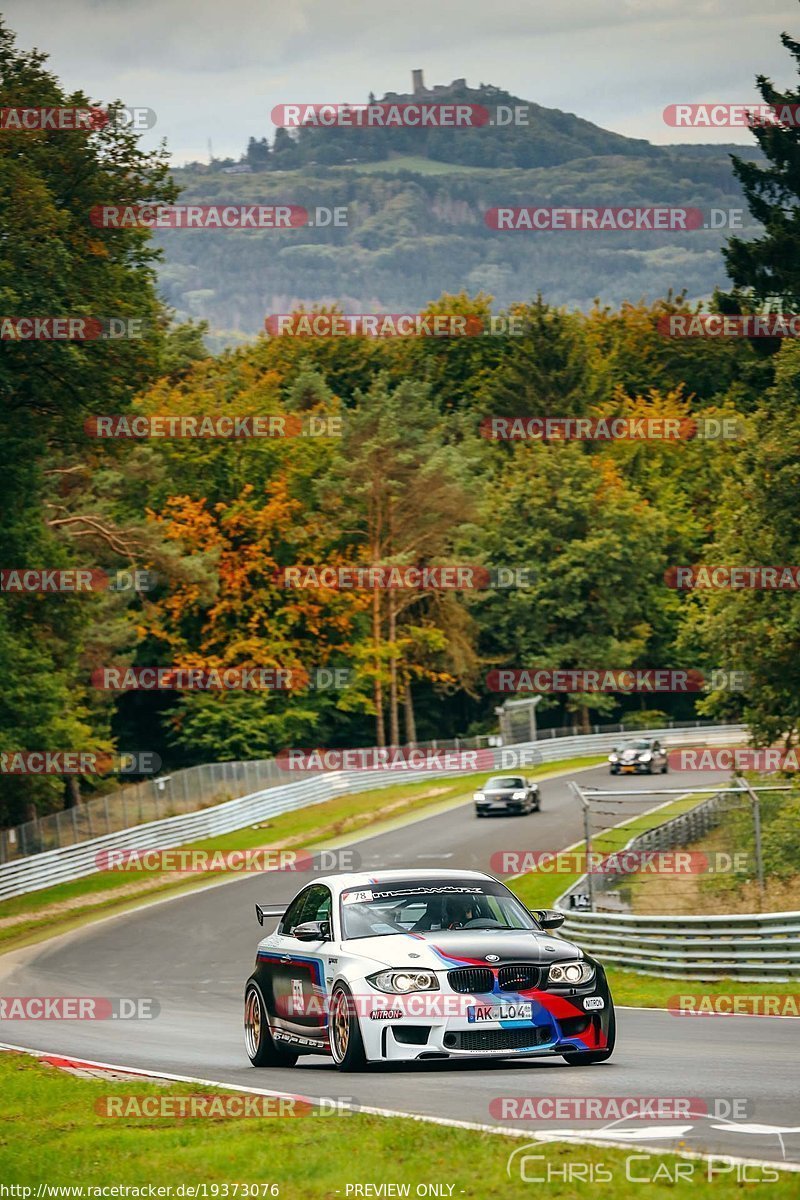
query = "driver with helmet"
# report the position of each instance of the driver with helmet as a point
(459, 910)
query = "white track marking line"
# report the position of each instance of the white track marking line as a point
(449, 1122)
(749, 1016)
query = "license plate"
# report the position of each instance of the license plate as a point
(500, 1012)
(627, 769)
(498, 804)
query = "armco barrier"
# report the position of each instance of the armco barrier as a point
(75, 862)
(205, 785)
(750, 946)
(183, 791)
(745, 946)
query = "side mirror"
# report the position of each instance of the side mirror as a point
(548, 918)
(312, 931)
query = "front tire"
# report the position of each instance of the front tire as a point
(586, 1058)
(347, 1045)
(260, 1047)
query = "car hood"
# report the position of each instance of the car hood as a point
(444, 949)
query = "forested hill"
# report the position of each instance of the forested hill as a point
(415, 226)
(544, 137)
(519, 133)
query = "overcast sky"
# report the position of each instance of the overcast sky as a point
(215, 70)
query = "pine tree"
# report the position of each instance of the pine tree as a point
(770, 265)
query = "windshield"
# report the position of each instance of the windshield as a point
(504, 781)
(428, 905)
(641, 745)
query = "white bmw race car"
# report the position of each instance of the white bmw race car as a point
(411, 965)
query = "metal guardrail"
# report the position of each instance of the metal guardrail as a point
(750, 946)
(77, 861)
(181, 791)
(191, 788)
(742, 946)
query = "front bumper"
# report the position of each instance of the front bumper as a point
(500, 806)
(560, 1024)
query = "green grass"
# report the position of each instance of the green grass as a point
(68, 905)
(652, 991)
(415, 163)
(540, 889)
(52, 1133)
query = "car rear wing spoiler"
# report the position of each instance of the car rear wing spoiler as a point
(262, 912)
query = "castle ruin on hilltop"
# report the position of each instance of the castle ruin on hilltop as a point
(419, 91)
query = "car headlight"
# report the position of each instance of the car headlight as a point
(518, 795)
(479, 796)
(399, 983)
(570, 972)
(613, 758)
(645, 757)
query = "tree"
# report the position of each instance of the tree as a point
(758, 523)
(258, 154)
(770, 265)
(593, 545)
(284, 148)
(398, 494)
(56, 263)
(183, 345)
(236, 513)
(548, 370)
(627, 349)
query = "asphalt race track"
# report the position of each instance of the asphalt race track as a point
(193, 954)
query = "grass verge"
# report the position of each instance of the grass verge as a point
(539, 889)
(653, 991)
(54, 910)
(313, 1157)
(413, 162)
(719, 891)
(36, 915)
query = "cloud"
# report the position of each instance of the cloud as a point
(216, 70)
